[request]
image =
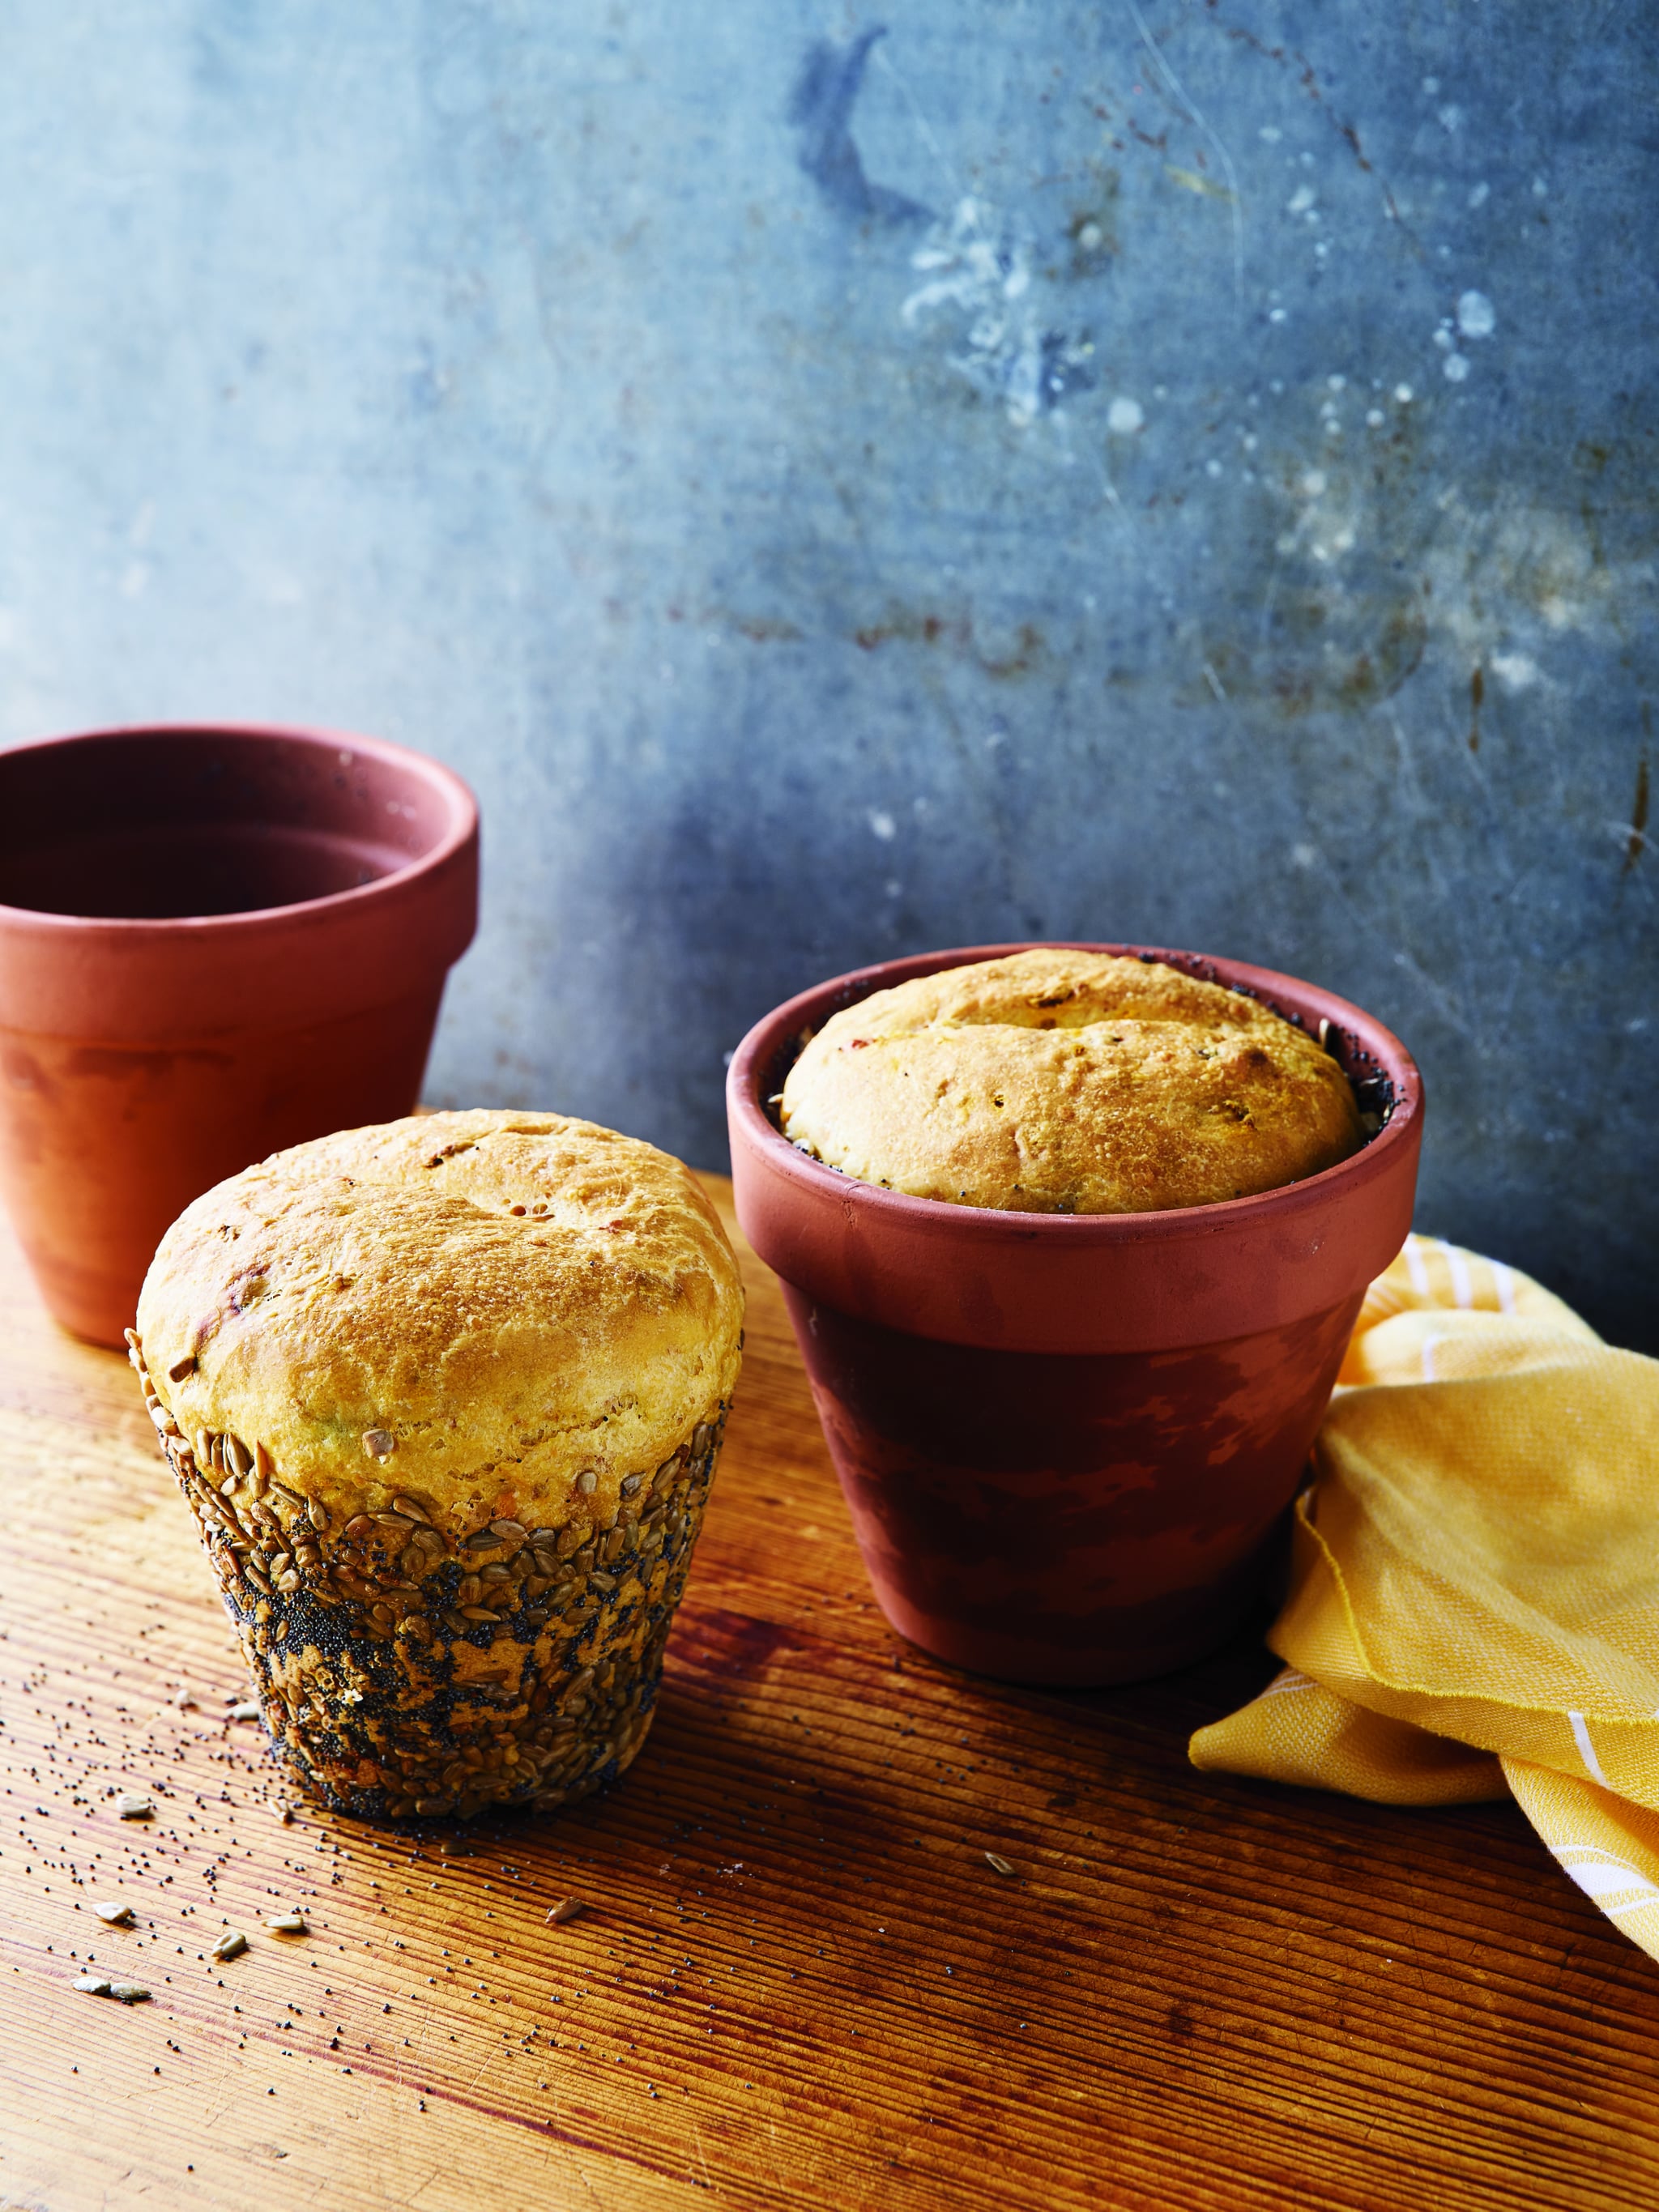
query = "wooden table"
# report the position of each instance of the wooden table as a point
(800, 1982)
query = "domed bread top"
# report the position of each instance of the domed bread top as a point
(1063, 1081)
(489, 1315)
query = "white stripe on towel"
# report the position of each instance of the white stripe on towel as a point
(1605, 1875)
(1290, 1680)
(1586, 1750)
(1462, 1286)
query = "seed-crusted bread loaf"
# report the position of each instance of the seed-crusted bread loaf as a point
(445, 1395)
(1057, 1081)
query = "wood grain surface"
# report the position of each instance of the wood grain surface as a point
(798, 1980)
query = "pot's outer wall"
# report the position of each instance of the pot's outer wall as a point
(1076, 1520)
(831, 498)
(141, 1061)
(102, 1147)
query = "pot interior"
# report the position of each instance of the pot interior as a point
(164, 824)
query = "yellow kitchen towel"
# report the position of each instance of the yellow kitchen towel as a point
(1474, 1590)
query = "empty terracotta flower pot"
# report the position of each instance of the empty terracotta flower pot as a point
(1069, 1441)
(215, 943)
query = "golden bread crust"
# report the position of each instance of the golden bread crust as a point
(1061, 1081)
(501, 1303)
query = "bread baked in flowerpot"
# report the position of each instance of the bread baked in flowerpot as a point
(446, 1398)
(1073, 1238)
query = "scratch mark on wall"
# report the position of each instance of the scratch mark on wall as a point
(1190, 181)
(1284, 56)
(925, 129)
(1222, 154)
(821, 109)
(1638, 813)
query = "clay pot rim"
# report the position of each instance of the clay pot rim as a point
(755, 1057)
(445, 785)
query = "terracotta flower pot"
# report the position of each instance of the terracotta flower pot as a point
(213, 943)
(1069, 1441)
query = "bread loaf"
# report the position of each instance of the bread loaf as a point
(446, 1397)
(1057, 1081)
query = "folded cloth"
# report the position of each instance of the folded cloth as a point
(1475, 1588)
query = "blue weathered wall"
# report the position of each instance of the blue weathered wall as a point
(842, 483)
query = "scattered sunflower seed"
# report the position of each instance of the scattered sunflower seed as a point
(289, 1924)
(997, 1862)
(379, 1443)
(133, 1808)
(180, 1368)
(231, 1944)
(130, 1992)
(566, 1909)
(587, 1482)
(247, 1709)
(113, 1913)
(94, 1984)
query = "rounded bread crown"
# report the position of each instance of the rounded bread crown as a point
(1062, 1081)
(477, 1311)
